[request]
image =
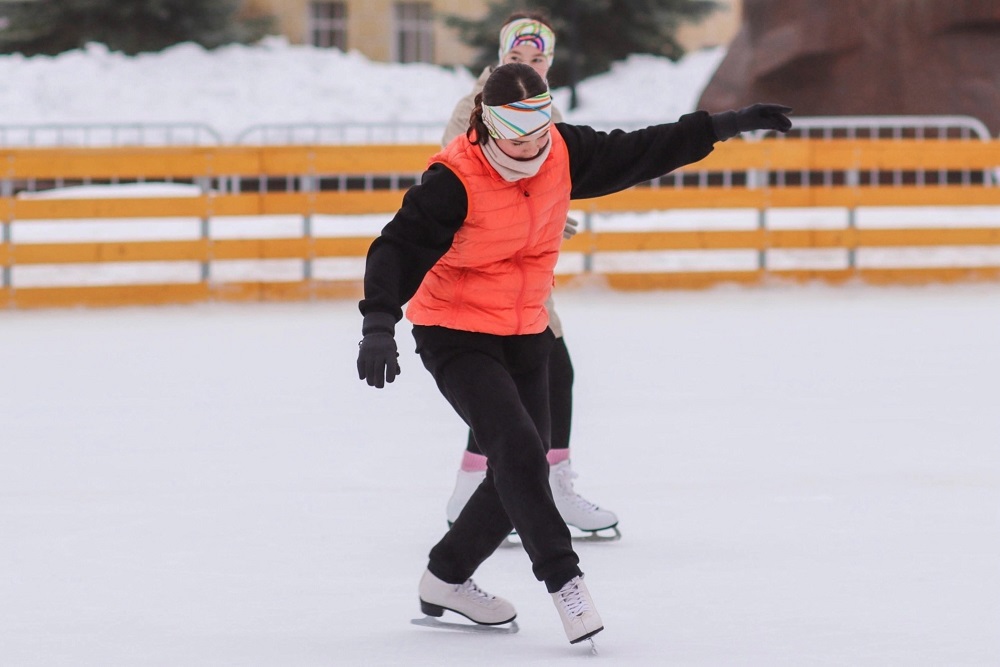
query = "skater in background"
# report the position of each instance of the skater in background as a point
(528, 38)
(472, 251)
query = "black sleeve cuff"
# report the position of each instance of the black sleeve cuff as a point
(724, 125)
(378, 323)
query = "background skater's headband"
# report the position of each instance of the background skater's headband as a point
(518, 119)
(527, 31)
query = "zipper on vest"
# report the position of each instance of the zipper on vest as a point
(519, 302)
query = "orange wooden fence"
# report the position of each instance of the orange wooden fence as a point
(738, 175)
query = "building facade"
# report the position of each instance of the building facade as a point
(407, 31)
(382, 30)
(716, 30)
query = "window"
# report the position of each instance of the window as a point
(414, 28)
(328, 24)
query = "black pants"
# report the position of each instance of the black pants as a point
(560, 398)
(499, 386)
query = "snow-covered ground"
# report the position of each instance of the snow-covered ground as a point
(804, 475)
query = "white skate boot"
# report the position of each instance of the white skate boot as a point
(466, 599)
(576, 510)
(466, 484)
(576, 609)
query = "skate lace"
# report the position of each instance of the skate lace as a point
(573, 600)
(565, 479)
(470, 590)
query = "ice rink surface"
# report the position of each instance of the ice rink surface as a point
(804, 476)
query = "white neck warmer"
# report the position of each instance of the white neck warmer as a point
(510, 168)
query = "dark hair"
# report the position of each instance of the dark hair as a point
(508, 83)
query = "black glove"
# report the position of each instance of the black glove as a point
(377, 356)
(755, 117)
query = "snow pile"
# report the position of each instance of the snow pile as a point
(237, 86)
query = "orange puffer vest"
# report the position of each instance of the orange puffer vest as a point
(498, 273)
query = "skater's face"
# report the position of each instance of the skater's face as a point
(529, 55)
(525, 148)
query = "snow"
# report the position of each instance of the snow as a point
(804, 475)
(236, 87)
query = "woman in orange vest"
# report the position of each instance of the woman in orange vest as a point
(527, 37)
(472, 250)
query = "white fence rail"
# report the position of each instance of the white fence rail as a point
(86, 135)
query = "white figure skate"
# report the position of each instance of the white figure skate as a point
(596, 524)
(576, 609)
(467, 599)
(579, 512)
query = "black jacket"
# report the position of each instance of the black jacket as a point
(601, 163)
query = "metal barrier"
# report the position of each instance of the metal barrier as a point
(828, 128)
(174, 134)
(887, 127)
(340, 133)
(819, 128)
(893, 127)
(108, 134)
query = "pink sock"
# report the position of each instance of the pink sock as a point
(473, 462)
(557, 456)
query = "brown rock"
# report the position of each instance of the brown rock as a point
(865, 57)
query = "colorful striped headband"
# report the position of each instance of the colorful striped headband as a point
(519, 119)
(527, 31)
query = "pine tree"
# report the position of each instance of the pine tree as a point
(131, 26)
(606, 31)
